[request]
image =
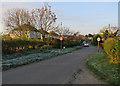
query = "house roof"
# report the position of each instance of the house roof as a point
(6, 36)
(43, 31)
(52, 33)
(25, 27)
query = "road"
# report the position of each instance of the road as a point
(52, 71)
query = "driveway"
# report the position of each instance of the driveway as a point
(57, 70)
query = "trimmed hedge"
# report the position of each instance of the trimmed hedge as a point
(46, 47)
(69, 43)
(55, 43)
(11, 46)
(112, 48)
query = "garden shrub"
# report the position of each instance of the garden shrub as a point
(67, 43)
(11, 46)
(56, 43)
(46, 47)
(48, 41)
(112, 48)
(101, 45)
(75, 43)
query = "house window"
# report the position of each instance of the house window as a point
(31, 34)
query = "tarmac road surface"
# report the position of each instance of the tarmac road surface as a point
(56, 70)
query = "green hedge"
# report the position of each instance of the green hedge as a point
(69, 43)
(11, 46)
(112, 48)
(55, 43)
(46, 47)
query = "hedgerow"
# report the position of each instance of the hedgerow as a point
(112, 48)
(11, 46)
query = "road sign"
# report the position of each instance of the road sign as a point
(61, 38)
(98, 39)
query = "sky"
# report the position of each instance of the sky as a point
(85, 17)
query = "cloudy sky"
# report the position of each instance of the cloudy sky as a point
(85, 17)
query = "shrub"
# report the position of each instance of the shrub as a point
(48, 41)
(55, 43)
(112, 48)
(101, 45)
(46, 47)
(67, 43)
(11, 46)
(75, 43)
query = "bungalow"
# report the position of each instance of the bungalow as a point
(5, 37)
(28, 31)
(54, 35)
(44, 34)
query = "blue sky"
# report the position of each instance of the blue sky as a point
(85, 17)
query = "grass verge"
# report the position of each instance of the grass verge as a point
(99, 64)
(15, 60)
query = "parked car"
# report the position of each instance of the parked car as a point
(86, 45)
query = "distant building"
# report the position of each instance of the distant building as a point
(90, 38)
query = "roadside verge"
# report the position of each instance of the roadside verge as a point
(99, 64)
(34, 57)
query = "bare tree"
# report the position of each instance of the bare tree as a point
(16, 17)
(76, 33)
(63, 30)
(43, 18)
(66, 31)
(112, 30)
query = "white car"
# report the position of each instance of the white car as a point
(86, 45)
